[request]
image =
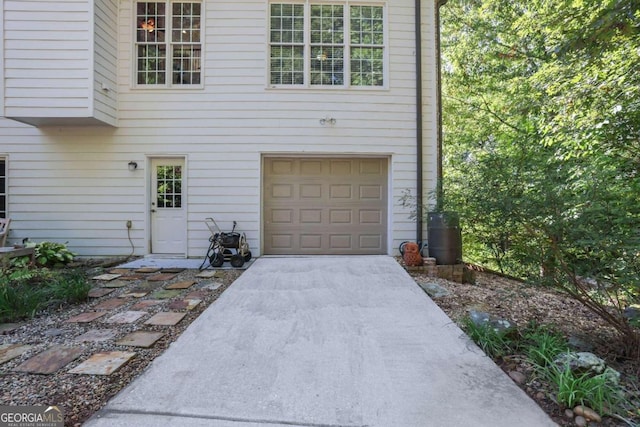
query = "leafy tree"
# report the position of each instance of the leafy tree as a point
(542, 143)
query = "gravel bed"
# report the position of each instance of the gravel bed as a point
(79, 395)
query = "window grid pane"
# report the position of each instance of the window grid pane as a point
(327, 45)
(327, 65)
(287, 44)
(185, 23)
(318, 41)
(327, 24)
(153, 42)
(287, 65)
(186, 64)
(152, 63)
(367, 66)
(169, 190)
(367, 41)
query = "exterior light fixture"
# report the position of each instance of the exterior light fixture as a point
(328, 121)
(133, 166)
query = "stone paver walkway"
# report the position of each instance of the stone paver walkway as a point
(120, 296)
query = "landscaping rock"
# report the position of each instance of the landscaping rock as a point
(434, 290)
(587, 413)
(568, 413)
(518, 377)
(581, 362)
(580, 421)
(480, 318)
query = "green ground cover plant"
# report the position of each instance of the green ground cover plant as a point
(25, 291)
(541, 346)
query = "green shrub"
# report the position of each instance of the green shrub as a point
(51, 254)
(25, 292)
(70, 287)
(594, 391)
(495, 343)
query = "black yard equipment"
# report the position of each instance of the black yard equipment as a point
(226, 246)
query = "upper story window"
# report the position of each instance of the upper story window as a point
(320, 44)
(168, 43)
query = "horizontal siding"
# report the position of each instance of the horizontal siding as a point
(105, 60)
(72, 184)
(43, 49)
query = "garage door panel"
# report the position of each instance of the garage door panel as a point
(310, 191)
(325, 206)
(311, 216)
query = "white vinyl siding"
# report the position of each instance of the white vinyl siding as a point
(49, 62)
(73, 184)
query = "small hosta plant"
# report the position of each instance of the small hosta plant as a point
(51, 254)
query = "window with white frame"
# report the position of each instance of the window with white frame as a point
(326, 44)
(3, 187)
(168, 43)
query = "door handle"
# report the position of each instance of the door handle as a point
(153, 210)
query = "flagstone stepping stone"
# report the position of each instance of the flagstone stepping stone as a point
(181, 285)
(140, 339)
(104, 363)
(99, 292)
(197, 295)
(160, 277)
(211, 286)
(86, 317)
(120, 283)
(188, 304)
(148, 270)
(107, 276)
(120, 271)
(7, 328)
(134, 294)
(165, 318)
(173, 270)
(110, 304)
(49, 361)
(207, 274)
(96, 335)
(165, 294)
(126, 317)
(11, 351)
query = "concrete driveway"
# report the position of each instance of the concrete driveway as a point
(323, 341)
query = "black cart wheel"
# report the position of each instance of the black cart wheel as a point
(247, 256)
(217, 259)
(237, 261)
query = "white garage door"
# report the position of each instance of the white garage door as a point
(318, 206)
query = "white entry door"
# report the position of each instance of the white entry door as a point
(168, 212)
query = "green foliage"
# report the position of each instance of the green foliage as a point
(542, 345)
(495, 343)
(595, 391)
(541, 106)
(51, 254)
(25, 292)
